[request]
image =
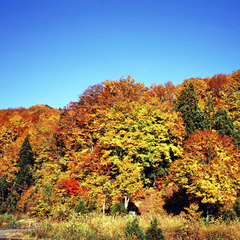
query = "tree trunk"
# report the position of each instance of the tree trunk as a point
(127, 198)
(207, 215)
(104, 206)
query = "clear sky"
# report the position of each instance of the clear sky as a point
(52, 50)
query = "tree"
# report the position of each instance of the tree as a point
(164, 93)
(209, 170)
(81, 207)
(24, 177)
(232, 97)
(146, 133)
(128, 180)
(236, 207)
(153, 231)
(121, 134)
(222, 123)
(72, 187)
(133, 229)
(187, 104)
(208, 113)
(198, 120)
(3, 189)
(118, 208)
(217, 84)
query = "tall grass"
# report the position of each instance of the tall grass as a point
(7, 221)
(91, 226)
(96, 226)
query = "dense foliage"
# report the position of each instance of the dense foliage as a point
(118, 141)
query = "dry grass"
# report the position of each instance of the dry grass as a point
(18, 235)
(95, 226)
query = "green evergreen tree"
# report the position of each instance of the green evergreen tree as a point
(81, 207)
(154, 232)
(198, 120)
(222, 123)
(236, 206)
(208, 112)
(118, 208)
(3, 192)
(187, 104)
(133, 229)
(25, 162)
(229, 215)
(236, 136)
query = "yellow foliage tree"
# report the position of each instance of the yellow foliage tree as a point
(209, 169)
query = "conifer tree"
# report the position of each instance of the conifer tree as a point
(198, 120)
(187, 104)
(154, 232)
(25, 161)
(208, 112)
(3, 190)
(133, 230)
(236, 207)
(81, 207)
(118, 209)
(222, 123)
(236, 136)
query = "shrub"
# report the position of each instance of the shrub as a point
(81, 207)
(236, 207)
(118, 209)
(229, 216)
(153, 231)
(2, 209)
(133, 229)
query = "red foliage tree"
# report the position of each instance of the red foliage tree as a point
(217, 83)
(72, 187)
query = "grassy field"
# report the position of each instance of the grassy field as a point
(96, 226)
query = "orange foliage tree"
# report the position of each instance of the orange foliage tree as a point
(209, 169)
(120, 121)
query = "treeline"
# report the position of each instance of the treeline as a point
(123, 141)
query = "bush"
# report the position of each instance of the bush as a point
(118, 209)
(153, 231)
(2, 209)
(229, 216)
(236, 207)
(81, 207)
(133, 229)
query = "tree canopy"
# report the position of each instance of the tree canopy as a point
(121, 139)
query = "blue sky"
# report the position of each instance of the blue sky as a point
(52, 50)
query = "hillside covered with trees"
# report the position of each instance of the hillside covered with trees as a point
(175, 148)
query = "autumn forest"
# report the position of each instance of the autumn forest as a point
(163, 148)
